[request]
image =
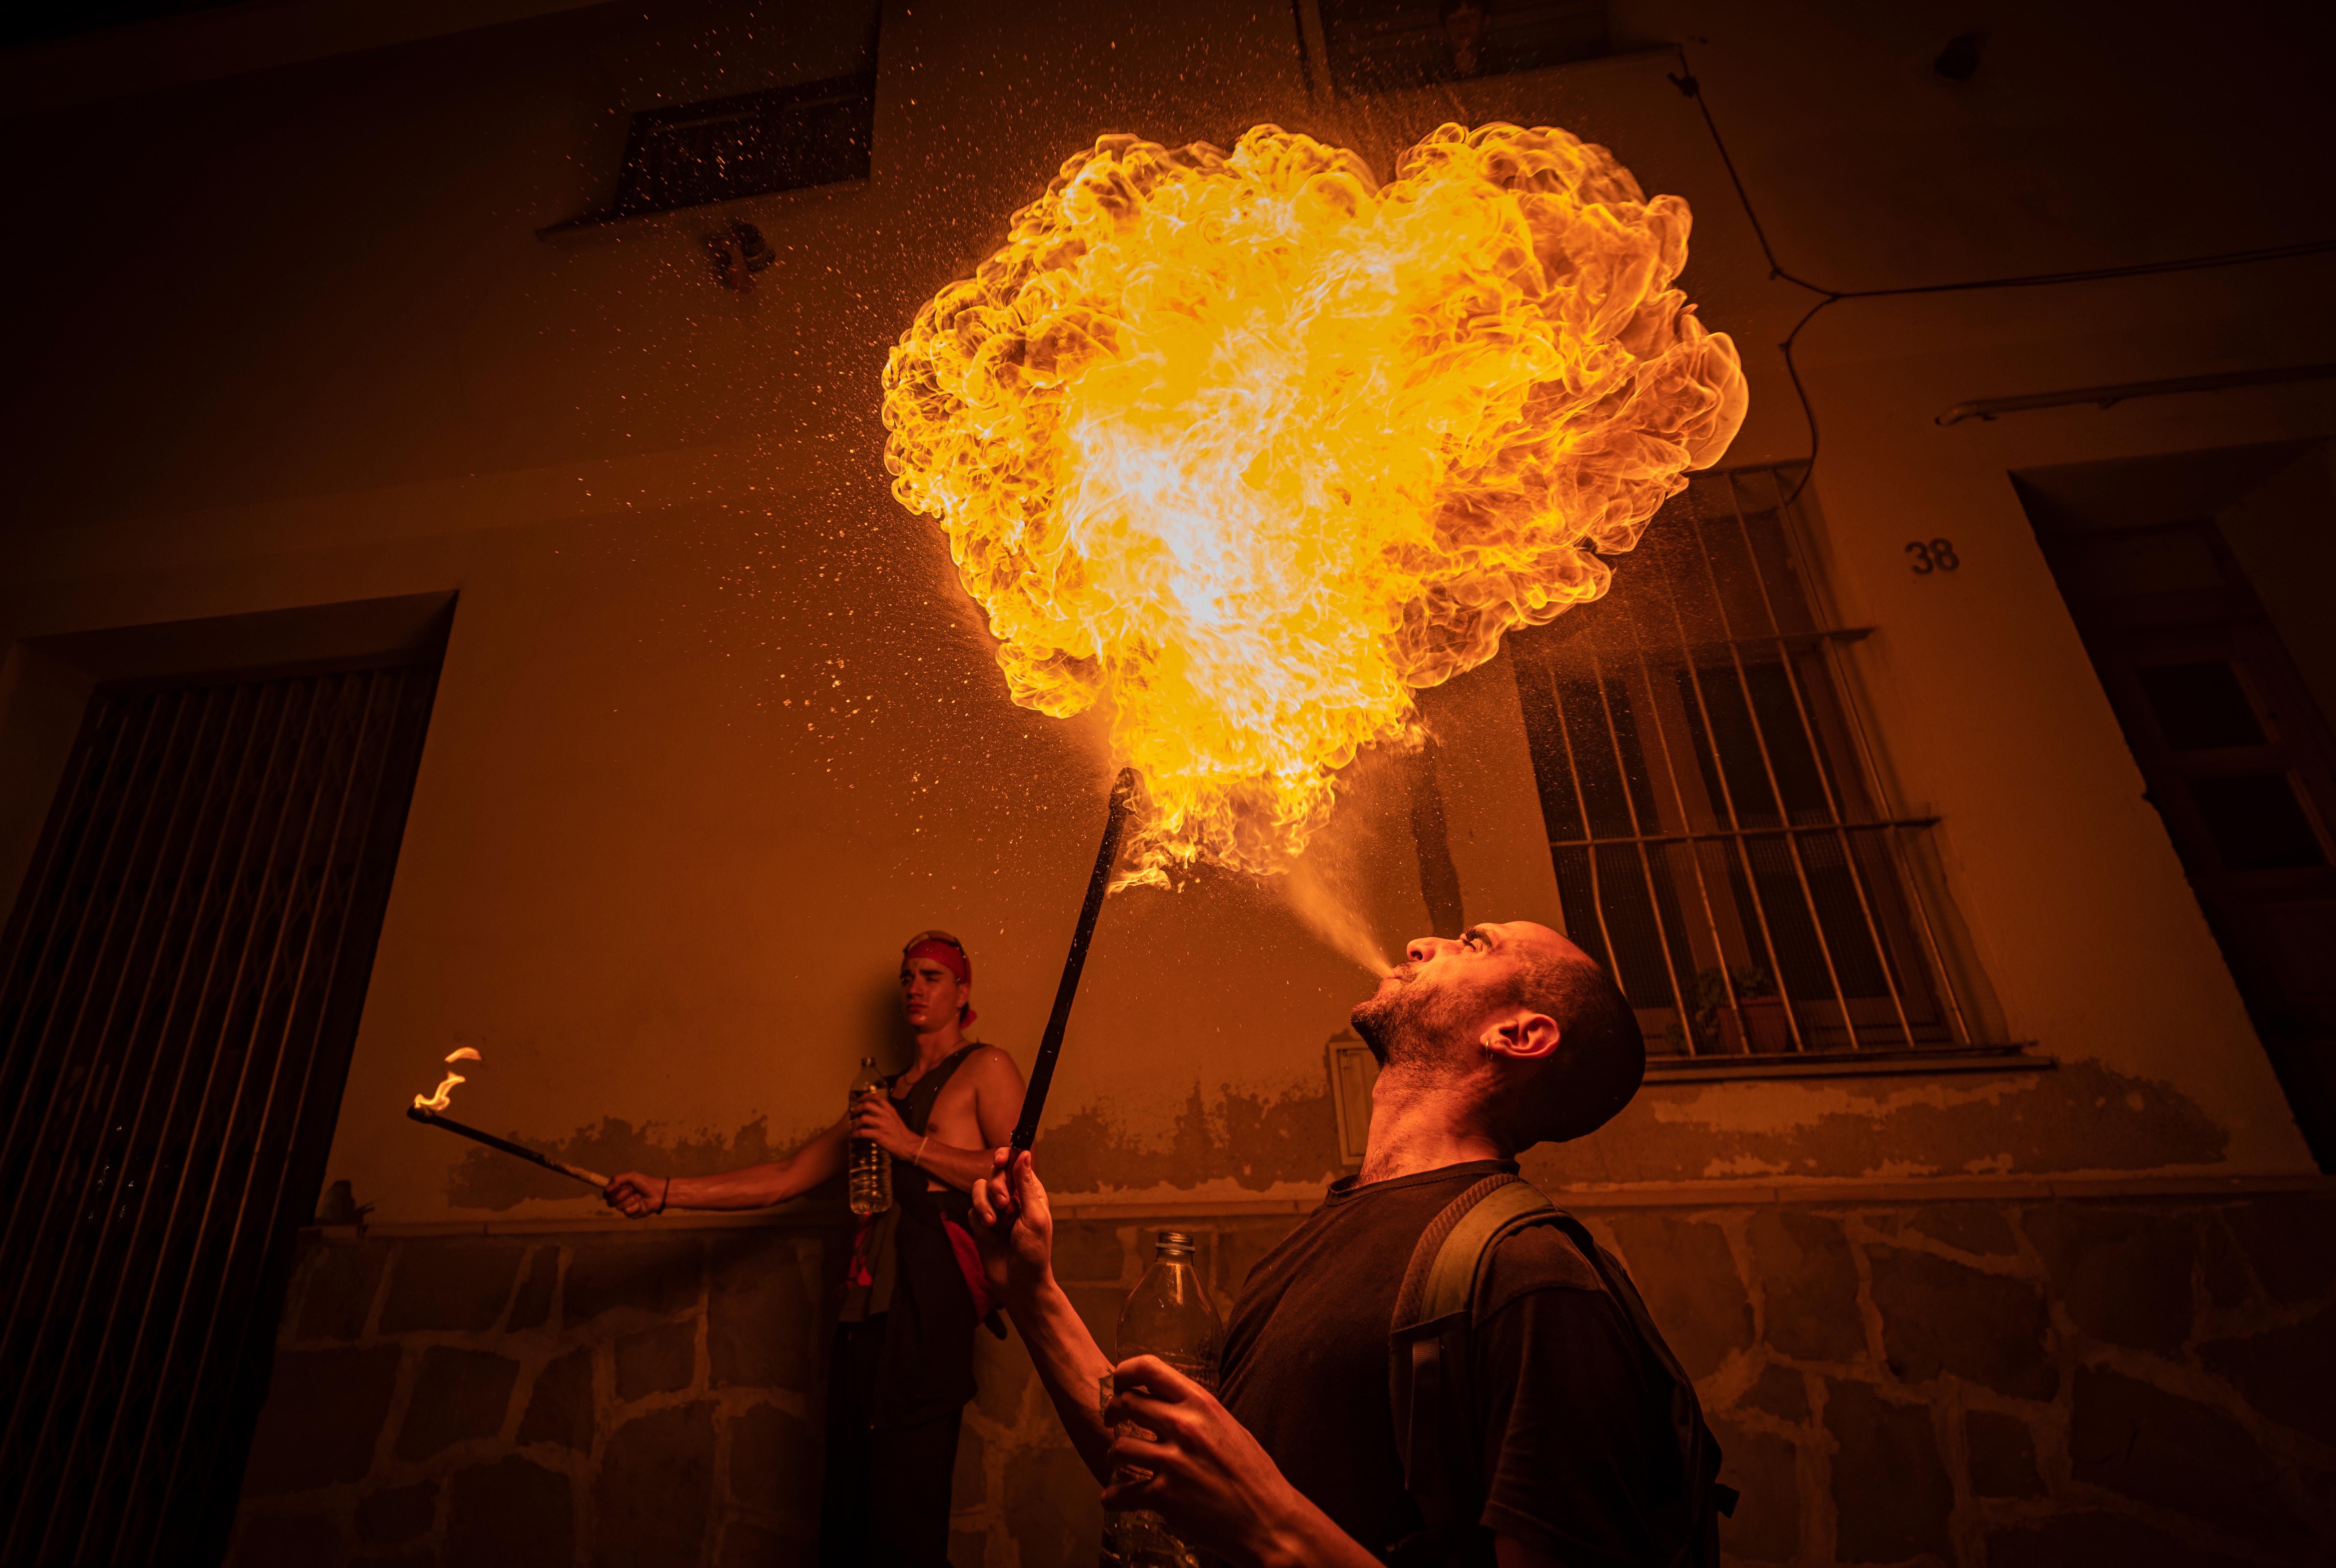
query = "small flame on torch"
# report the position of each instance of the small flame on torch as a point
(445, 1095)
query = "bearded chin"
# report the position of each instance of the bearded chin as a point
(1393, 1026)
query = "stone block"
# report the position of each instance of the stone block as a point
(968, 1482)
(1891, 1492)
(397, 1515)
(653, 1497)
(746, 1544)
(2103, 1538)
(2002, 1455)
(1054, 1509)
(1089, 1251)
(511, 1513)
(2124, 1273)
(1980, 1228)
(531, 1308)
(1684, 1269)
(659, 1360)
(325, 1410)
(2170, 1452)
(1780, 1392)
(2288, 1375)
(763, 1327)
(774, 1468)
(341, 1280)
(1941, 1317)
(1002, 1376)
(457, 1395)
(283, 1540)
(2222, 1267)
(1766, 1525)
(655, 1277)
(1808, 1280)
(2291, 1241)
(439, 1285)
(560, 1408)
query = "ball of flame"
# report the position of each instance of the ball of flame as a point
(1248, 448)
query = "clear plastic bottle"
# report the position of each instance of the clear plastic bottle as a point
(870, 1177)
(1167, 1316)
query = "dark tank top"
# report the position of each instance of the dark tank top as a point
(925, 1370)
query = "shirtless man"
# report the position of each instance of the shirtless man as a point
(904, 1353)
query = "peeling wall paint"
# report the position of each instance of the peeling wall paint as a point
(2077, 1118)
(1244, 1143)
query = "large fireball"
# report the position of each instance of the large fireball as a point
(1248, 448)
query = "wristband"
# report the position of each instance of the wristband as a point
(667, 1195)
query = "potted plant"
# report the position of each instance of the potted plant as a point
(1741, 1009)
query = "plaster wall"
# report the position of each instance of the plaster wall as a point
(717, 728)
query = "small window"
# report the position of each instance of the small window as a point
(1384, 45)
(782, 138)
(1718, 841)
(788, 137)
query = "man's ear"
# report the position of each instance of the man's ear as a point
(1524, 1037)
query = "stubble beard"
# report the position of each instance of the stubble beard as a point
(1405, 1028)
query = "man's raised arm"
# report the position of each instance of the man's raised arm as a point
(750, 1186)
(1020, 1254)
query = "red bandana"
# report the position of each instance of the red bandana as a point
(951, 957)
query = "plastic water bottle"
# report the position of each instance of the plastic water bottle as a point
(870, 1179)
(1167, 1316)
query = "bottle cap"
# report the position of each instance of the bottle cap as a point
(1173, 1243)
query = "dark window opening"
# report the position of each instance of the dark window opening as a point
(1384, 45)
(2234, 752)
(180, 992)
(782, 138)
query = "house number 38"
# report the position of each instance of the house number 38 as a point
(1933, 555)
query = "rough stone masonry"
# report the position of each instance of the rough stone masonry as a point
(2007, 1382)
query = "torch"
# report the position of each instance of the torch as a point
(426, 1109)
(1050, 1045)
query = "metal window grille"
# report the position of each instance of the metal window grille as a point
(1389, 45)
(178, 995)
(1711, 803)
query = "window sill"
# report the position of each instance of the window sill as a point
(1846, 1064)
(592, 223)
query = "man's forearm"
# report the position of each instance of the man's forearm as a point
(752, 1187)
(1072, 1366)
(960, 1167)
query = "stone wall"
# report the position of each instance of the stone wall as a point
(2004, 1381)
(648, 1398)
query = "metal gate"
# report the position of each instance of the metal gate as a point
(180, 990)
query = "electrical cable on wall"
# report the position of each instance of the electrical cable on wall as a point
(1685, 80)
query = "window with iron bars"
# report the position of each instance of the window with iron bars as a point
(1719, 838)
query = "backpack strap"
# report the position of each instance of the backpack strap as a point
(1427, 1373)
(1428, 1359)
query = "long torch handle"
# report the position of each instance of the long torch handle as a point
(431, 1118)
(1050, 1046)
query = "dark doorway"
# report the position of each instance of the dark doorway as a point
(180, 990)
(2234, 749)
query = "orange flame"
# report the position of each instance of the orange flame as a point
(1247, 448)
(445, 1095)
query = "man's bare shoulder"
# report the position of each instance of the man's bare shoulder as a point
(991, 1063)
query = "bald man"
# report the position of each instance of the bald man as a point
(1502, 1038)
